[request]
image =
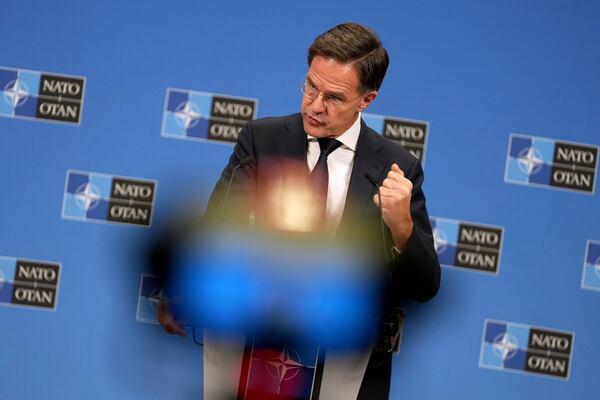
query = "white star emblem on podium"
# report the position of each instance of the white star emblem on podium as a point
(285, 366)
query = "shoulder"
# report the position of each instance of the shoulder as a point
(287, 122)
(275, 136)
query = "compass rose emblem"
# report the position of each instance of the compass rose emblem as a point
(285, 366)
(505, 346)
(87, 196)
(16, 92)
(187, 114)
(530, 160)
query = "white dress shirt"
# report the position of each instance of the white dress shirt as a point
(339, 165)
(342, 374)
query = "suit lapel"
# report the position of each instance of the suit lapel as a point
(360, 190)
(295, 146)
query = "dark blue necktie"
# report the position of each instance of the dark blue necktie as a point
(320, 173)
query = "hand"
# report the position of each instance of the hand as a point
(168, 321)
(396, 191)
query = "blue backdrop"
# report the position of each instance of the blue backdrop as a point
(475, 71)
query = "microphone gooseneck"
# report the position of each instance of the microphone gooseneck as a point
(243, 163)
(373, 182)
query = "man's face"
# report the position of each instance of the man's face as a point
(335, 108)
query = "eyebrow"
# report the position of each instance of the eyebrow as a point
(339, 95)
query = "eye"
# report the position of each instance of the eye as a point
(332, 99)
(311, 87)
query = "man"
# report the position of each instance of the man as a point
(347, 65)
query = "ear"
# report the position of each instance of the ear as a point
(366, 100)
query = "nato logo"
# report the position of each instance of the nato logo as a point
(548, 163)
(467, 245)
(591, 266)
(41, 96)
(151, 292)
(278, 372)
(512, 347)
(31, 283)
(94, 197)
(205, 116)
(410, 134)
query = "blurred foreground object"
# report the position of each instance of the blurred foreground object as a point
(282, 279)
(278, 287)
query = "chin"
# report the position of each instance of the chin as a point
(314, 131)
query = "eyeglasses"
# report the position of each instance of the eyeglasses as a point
(328, 100)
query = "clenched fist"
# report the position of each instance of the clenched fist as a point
(396, 191)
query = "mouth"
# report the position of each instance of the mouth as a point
(313, 121)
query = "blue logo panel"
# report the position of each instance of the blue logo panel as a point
(466, 245)
(29, 283)
(549, 163)
(193, 115)
(96, 197)
(41, 96)
(513, 347)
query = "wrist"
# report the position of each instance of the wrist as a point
(401, 236)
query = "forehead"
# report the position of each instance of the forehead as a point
(332, 76)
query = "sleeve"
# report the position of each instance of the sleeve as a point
(416, 271)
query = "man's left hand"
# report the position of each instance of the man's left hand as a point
(396, 191)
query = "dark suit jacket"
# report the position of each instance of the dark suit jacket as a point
(415, 274)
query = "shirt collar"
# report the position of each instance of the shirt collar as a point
(350, 137)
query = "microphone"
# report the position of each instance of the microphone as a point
(243, 163)
(373, 182)
(389, 340)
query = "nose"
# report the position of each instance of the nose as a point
(318, 104)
